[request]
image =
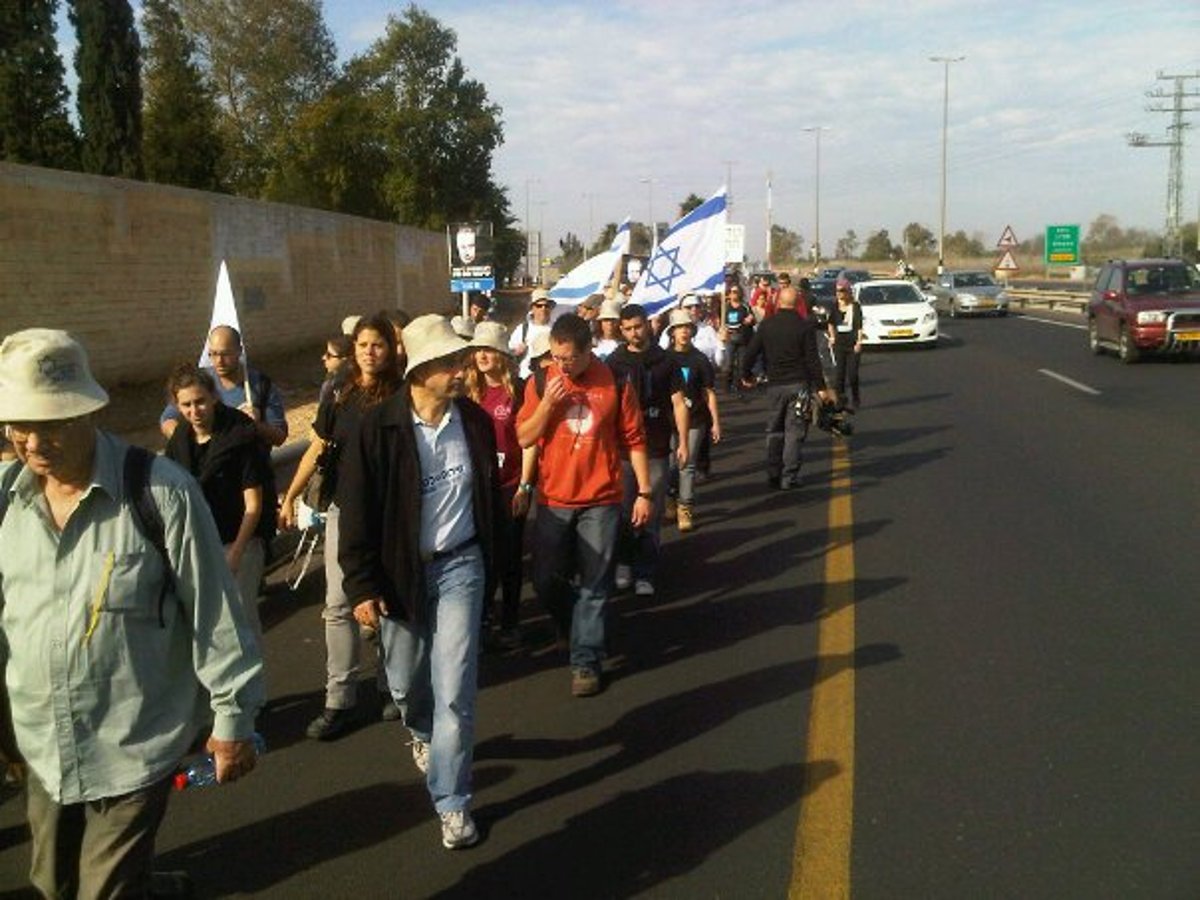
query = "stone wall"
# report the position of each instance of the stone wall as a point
(130, 268)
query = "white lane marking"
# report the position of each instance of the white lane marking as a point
(1070, 382)
(945, 334)
(1026, 318)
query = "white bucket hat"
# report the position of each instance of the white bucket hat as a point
(428, 338)
(463, 327)
(44, 376)
(348, 324)
(610, 309)
(540, 345)
(541, 295)
(491, 336)
(679, 317)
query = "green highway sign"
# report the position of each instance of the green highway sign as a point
(1062, 245)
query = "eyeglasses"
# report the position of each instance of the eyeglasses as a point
(328, 355)
(567, 360)
(19, 432)
(541, 306)
(224, 354)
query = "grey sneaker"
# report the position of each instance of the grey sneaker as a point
(420, 751)
(643, 587)
(624, 577)
(458, 829)
(585, 682)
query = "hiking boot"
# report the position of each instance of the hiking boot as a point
(585, 682)
(685, 517)
(643, 587)
(670, 509)
(420, 752)
(458, 829)
(330, 724)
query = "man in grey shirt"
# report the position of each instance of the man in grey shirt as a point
(108, 650)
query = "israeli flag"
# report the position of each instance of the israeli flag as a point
(591, 275)
(691, 257)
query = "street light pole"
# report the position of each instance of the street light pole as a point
(945, 61)
(528, 224)
(649, 182)
(817, 129)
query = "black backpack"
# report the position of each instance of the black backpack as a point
(146, 515)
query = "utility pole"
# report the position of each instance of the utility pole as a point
(1173, 238)
(945, 61)
(729, 164)
(528, 229)
(817, 129)
(768, 259)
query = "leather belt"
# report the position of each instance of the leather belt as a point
(439, 555)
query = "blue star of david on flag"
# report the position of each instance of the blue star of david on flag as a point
(671, 255)
(691, 257)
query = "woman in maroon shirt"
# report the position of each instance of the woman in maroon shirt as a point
(492, 383)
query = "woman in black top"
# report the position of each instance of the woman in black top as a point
(371, 377)
(219, 445)
(846, 334)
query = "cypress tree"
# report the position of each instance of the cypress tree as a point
(34, 125)
(110, 89)
(180, 143)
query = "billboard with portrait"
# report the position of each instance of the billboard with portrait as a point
(471, 260)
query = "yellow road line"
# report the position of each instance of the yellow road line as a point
(821, 861)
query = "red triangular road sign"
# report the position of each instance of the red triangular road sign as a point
(1008, 239)
(1007, 263)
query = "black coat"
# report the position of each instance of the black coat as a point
(379, 499)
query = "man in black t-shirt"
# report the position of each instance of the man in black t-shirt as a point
(737, 327)
(700, 398)
(658, 385)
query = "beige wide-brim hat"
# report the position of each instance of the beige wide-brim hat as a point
(491, 336)
(430, 337)
(610, 309)
(679, 317)
(44, 376)
(348, 324)
(541, 294)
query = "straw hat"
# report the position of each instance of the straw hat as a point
(428, 338)
(491, 336)
(44, 376)
(540, 345)
(679, 317)
(610, 309)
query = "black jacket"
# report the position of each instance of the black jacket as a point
(379, 497)
(790, 345)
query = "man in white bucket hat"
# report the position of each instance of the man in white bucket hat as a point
(109, 644)
(418, 495)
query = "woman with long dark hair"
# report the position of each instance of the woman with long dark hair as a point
(371, 377)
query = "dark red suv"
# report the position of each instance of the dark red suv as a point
(1145, 306)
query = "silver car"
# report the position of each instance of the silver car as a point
(969, 294)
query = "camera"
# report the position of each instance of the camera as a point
(835, 419)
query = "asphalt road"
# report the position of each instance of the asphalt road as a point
(1021, 719)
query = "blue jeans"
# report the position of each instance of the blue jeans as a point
(432, 671)
(570, 542)
(683, 481)
(640, 547)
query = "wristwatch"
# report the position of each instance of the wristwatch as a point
(645, 495)
(526, 486)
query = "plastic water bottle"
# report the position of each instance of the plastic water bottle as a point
(202, 772)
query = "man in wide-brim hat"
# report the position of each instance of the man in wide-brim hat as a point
(418, 494)
(116, 642)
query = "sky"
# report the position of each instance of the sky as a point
(624, 108)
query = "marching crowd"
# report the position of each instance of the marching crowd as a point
(128, 594)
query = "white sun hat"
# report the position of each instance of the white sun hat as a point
(44, 377)
(428, 338)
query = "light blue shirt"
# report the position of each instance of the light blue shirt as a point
(105, 697)
(446, 477)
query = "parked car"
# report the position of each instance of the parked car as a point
(854, 275)
(831, 273)
(1145, 306)
(969, 294)
(896, 312)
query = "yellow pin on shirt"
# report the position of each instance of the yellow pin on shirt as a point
(98, 599)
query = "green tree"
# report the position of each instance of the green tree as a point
(639, 239)
(180, 144)
(571, 248)
(787, 246)
(110, 89)
(847, 245)
(964, 247)
(690, 202)
(267, 60)
(604, 241)
(34, 125)
(918, 240)
(879, 246)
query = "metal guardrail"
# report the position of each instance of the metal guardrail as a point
(1022, 297)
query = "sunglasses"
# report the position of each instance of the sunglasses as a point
(541, 306)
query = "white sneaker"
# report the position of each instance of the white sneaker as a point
(624, 577)
(458, 829)
(420, 751)
(643, 588)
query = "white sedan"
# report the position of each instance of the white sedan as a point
(896, 312)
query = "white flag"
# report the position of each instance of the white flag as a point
(691, 257)
(591, 275)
